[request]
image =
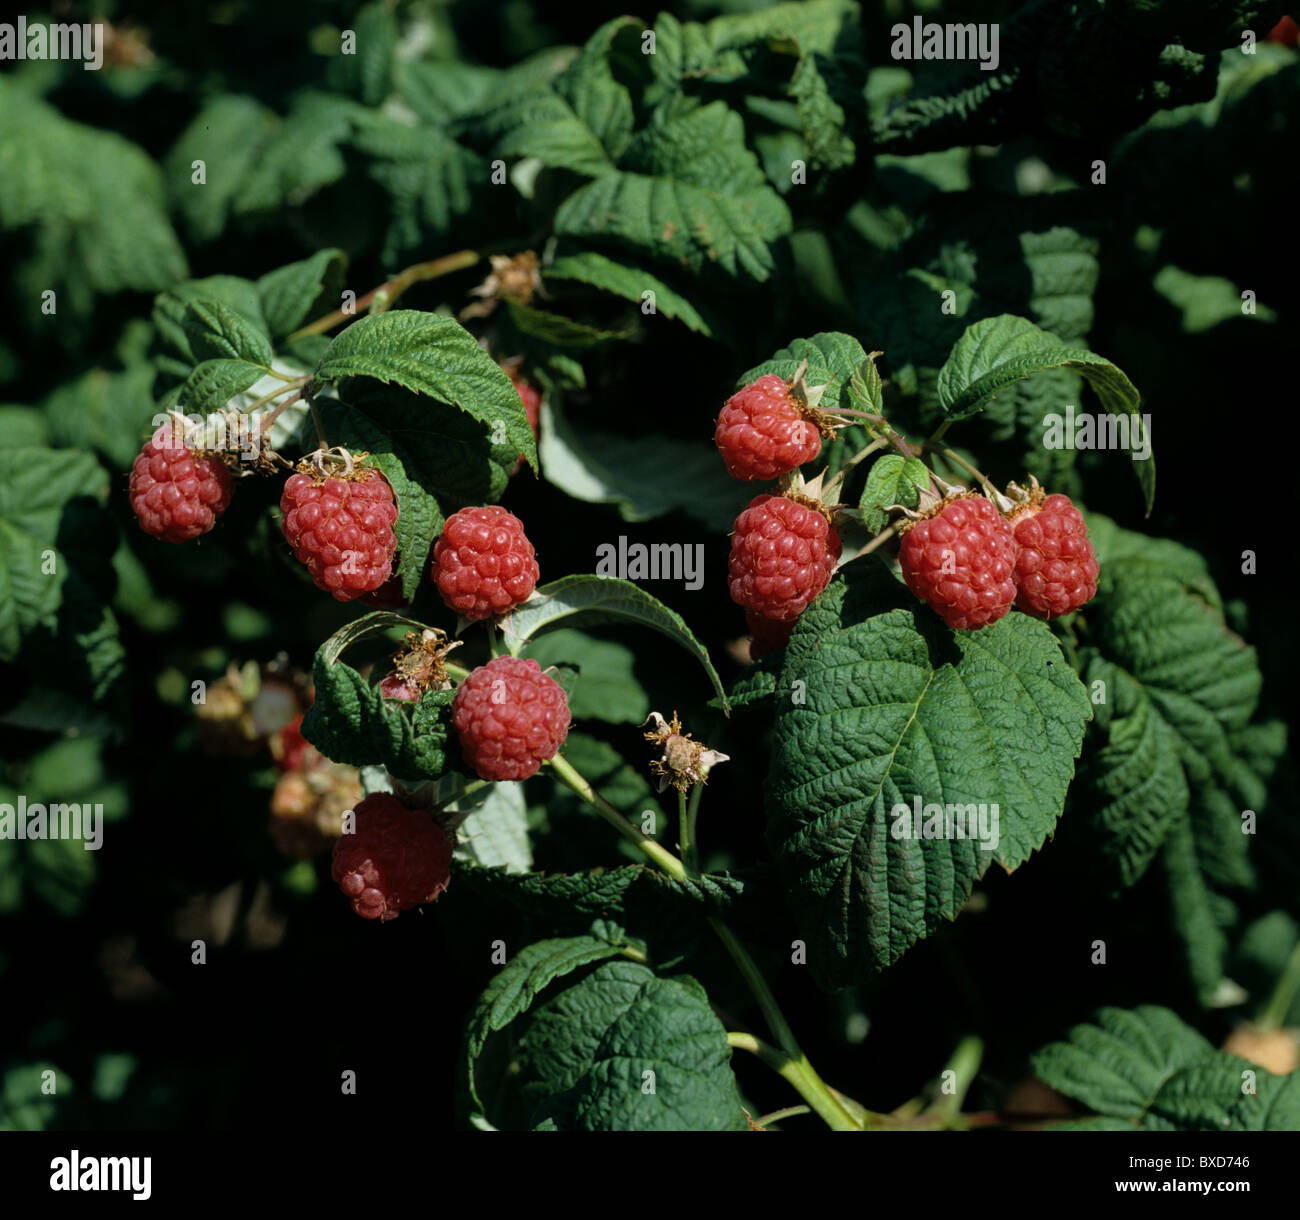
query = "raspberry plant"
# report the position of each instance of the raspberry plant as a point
(949, 775)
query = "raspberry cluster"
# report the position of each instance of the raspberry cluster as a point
(484, 564)
(763, 433)
(783, 551)
(510, 718)
(395, 859)
(177, 493)
(341, 528)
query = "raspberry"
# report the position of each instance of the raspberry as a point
(1056, 567)
(483, 564)
(1286, 33)
(342, 529)
(177, 492)
(960, 560)
(763, 434)
(395, 859)
(531, 397)
(782, 555)
(510, 717)
(289, 748)
(767, 634)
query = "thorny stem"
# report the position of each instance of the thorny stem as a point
(794, 1063)
(692, 815)
(382, 298)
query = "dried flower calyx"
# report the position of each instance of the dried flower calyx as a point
(684, 761)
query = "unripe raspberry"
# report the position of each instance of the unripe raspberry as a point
(960, 560)
(510, 718)
(342, 529)
(395, 859)
(484, 564)
(782, 555)
(531, 397)
(1056, 566)
(178, 492)
(763, 433)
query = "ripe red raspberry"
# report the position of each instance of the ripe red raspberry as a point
(510, 717)
(342, 529)
(782, 555)
(763, 433)
(960, 560)
(483, 564)
(177, 492)
(767, 634)
(395, 859)
(531, 397)
(1056, 567)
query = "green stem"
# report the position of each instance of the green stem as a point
(656, 852)
(834, 1111)
(692, 819)
(684, 845)
(813, 1089)
(798, 1073)
(494, 640)
(778, 1115)
(1274, 1016)
(964, 1064)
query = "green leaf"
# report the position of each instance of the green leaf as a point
(892, 480)
(1173, 773)
(39, 489)
(590, 600)
(366, 71)
(997, 352)
(833, 359)
(699, 212)
(212, 384)
(1155, 1073)
(627, 471)
(450, 453)
(895, 709)
(495, 834)
(419, 519)
(593, 1045)
(607, 688)
(228, 135)
(513, 991)
(301, 292)
(96, 200)
(350, 722)
(436, 357)
(628, 282)
(556, 329)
